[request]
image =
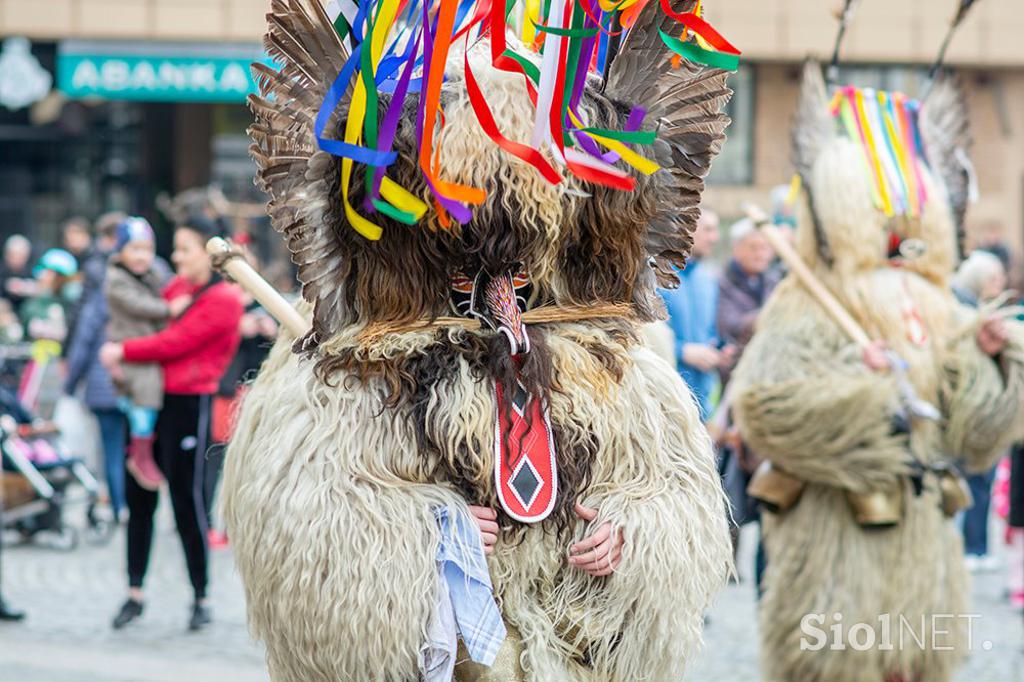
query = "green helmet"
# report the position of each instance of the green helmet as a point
(58, 260)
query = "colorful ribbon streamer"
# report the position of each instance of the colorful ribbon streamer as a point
(401, 48)
(885, 127)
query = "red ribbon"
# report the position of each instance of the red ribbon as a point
(701, 28)
(486, 120)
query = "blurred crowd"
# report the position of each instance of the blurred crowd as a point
(712, 316)
(158, 353)
(155, 354)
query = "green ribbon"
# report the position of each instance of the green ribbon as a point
(370, 123)
(531, 69)
(341, 26)
(567, 32)
(395, 213)
(634, 137)
(572, 57)
(695, 53)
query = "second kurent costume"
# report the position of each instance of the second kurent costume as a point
(806, 402)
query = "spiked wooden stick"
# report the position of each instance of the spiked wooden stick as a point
(270, 298)
(818, 291)
(845, 16)
(963, 8)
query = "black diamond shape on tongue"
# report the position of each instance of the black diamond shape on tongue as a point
(526, 483)
(520, 398)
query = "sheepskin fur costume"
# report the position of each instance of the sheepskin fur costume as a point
(354, 435)
(805, 401)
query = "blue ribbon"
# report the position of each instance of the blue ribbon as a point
(357, 153)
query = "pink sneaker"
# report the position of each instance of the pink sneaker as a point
(1017, 599)
(141, 464)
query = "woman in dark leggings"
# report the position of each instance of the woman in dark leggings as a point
(194, 351)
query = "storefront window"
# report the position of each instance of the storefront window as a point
(735, 165)
(233, 167)
(908, 80)
(60, 158)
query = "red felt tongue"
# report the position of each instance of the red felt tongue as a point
(525, 473)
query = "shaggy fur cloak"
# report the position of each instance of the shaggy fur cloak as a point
(353, 436)
(805, 401)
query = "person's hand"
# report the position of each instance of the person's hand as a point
(993, 336)
(600, 553)
(702, 357)
(179, 304)
(21, 287)
(111, 354)
(728, 355)
(268, 327)
(486, 518)
(876, 357)
(116, 372)
(249, 326)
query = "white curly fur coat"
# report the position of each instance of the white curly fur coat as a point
(332, 521)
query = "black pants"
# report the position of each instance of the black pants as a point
(182, 441)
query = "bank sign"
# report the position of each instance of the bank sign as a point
(152, 72)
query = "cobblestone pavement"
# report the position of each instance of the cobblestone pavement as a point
(71, 598)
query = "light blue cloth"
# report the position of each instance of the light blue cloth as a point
(437, 654)
(141, 420)
(691, 314)
(461, 562)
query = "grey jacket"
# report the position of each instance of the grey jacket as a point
(136, 308)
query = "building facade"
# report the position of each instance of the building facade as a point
(113, 104)
(150, 125)
(890, 45)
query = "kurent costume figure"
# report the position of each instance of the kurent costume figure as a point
(870, 538)
(480, 231)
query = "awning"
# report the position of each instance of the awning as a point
(156, 72)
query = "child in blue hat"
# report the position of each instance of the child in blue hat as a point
(136, 308)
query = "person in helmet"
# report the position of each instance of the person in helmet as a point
(44, 314)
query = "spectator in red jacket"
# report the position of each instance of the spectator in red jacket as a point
(194, 351)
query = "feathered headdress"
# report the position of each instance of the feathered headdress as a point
(364, 119)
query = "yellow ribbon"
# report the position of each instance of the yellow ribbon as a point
(392, 192)
(531, 17)
(794, 190)
(876, 163)
(641, 163)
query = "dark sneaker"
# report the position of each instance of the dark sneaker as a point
(201, 617)
(8, 614)
(130, 611)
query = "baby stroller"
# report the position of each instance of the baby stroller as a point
(41, 481)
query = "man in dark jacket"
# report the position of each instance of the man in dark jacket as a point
(92, 264)
(744, 286)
